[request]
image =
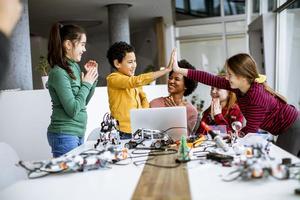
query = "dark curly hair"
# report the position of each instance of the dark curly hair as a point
(118, 51)
(190, 84)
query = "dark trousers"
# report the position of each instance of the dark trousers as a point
(125, 136)
(289, 140)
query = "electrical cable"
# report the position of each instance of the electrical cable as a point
(152, 154)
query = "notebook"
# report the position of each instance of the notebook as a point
(173, 120)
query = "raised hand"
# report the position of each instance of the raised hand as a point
(175, 61)
(170, 65)
(216, 106)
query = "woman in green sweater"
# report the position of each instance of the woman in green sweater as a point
(69, 88)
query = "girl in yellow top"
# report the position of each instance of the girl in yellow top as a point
(124, 89)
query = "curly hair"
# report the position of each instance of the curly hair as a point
(190, 84)
(118, 51)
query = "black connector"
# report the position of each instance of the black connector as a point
(219, 157)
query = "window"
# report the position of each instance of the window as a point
(288, 69)
(272, 5)
(233, 7)
(255, 6)
(191, 9)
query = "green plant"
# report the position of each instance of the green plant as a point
(43, 66)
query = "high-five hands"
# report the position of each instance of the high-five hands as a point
(172, 58)
(175, 61)
(175, 66)
(91, 75)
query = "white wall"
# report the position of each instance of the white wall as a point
(25, 116)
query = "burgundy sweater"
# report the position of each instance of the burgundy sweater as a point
(260, 109)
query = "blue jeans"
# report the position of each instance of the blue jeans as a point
(125, 136)
(63, 143)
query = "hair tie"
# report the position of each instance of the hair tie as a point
(261, 78)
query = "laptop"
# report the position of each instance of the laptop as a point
(173, 120)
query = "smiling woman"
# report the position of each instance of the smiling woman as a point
(178, 87)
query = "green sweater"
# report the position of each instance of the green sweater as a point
(69, 98)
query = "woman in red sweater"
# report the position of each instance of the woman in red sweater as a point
(261, 106)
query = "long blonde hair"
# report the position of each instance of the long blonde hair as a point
(244, 65)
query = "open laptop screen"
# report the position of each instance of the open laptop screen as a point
(172, 119)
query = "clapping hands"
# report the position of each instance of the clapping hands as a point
(169, 102)
(91, 75)
(215, 107)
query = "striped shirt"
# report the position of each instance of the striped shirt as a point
(260, 108)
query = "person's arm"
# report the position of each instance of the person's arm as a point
(71, 104)
(123, 81)
(92, 91)
(143, 97)
(117, 80)
(201, 76)
(91, 65)
(160, 73)
(209, 79)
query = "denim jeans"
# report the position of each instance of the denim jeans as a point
(62, 143)
(125, 136)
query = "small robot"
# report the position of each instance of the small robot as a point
(159, 139)
(109, 132)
